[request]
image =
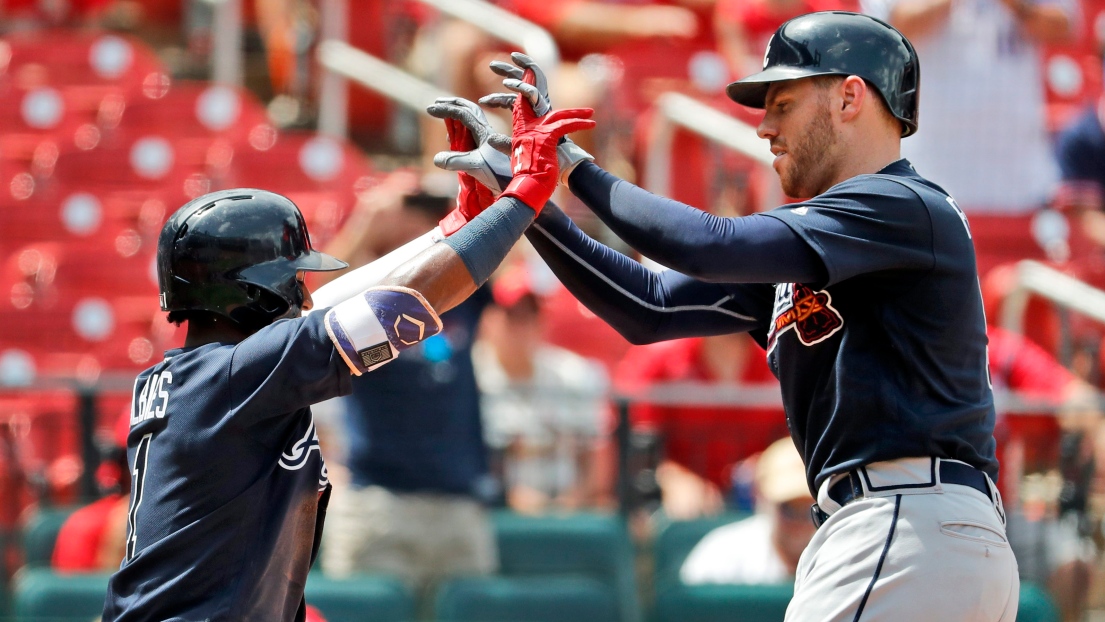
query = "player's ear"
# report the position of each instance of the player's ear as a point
(853, 95)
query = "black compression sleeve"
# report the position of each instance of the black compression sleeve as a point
(644, 306)
(749, 249)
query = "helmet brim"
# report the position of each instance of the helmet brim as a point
(315, 261)
(752, 91)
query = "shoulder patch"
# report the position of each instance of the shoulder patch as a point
(810, 313)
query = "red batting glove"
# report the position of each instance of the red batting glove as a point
(533, 148)
(472, 196)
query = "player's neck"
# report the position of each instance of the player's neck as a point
(868, 148)
(207, 329)
(869, 164)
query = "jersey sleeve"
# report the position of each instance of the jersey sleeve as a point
(284, 367)
(642, 305)
(867, 224)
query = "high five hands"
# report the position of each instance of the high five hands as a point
(477, 153)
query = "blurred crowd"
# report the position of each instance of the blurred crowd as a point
(518, 403)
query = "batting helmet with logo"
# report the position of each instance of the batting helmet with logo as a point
(833, 43)
(236, 253)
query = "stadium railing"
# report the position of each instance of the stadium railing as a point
(675, 110)
(340, 60)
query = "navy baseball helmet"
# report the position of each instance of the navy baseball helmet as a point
(236, 253)
(838, 43)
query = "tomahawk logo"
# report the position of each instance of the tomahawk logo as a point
(809, 313)
(295, 458)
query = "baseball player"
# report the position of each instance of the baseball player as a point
(229, 485)
(865, 297)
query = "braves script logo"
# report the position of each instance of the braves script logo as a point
(295, 458)
(809, 313)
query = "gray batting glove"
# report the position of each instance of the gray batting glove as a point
(568, 154)
(537, 94)
(489, 162)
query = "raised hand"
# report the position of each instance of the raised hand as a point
(537, 91)
(533, 156)
(526, 78)
(485, 154)
(470, 139)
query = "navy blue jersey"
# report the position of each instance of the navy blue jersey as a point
(866, 297)
(887, 358)
(414, 425)
(229, 485)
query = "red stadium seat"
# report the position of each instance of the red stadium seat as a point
(1001, 239)
(322, 175)
(118, 332)
(112, 62)
(125, 221)
(49, 270)
(152, 163)
(205, 123)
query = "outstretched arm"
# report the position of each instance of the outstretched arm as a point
(752, 249)
(748, 249)
(644, 306)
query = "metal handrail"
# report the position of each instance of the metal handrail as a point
(341, 60)
(384, 78)
(505, 26)
(1062, 289)
(377, 74)
(677, 110)
(767, 395)
(226, 42)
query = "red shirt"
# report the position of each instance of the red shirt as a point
(1018, 364)
(705, 440)
(760, 20)
(78, 545)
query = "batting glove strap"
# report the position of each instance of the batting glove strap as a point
(370, 330)
(531, 191)
(569, 155)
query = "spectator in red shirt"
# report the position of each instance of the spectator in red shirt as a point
(701, 444)
(743, 27)
(93, 539)
(1049, 547)
(584, 26)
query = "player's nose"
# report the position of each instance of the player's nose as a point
(766, 130)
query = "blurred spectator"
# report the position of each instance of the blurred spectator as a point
(983, 135)
(42, 13)
(543, 406)
(744, 27)
(1044, 511)
(764, 548)
(93, 539)
(454, 54)
(584, 26)
(287, 29)
(418, 466)
(699, 445)
(1081, 155)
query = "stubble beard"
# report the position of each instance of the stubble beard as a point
(810, 168)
